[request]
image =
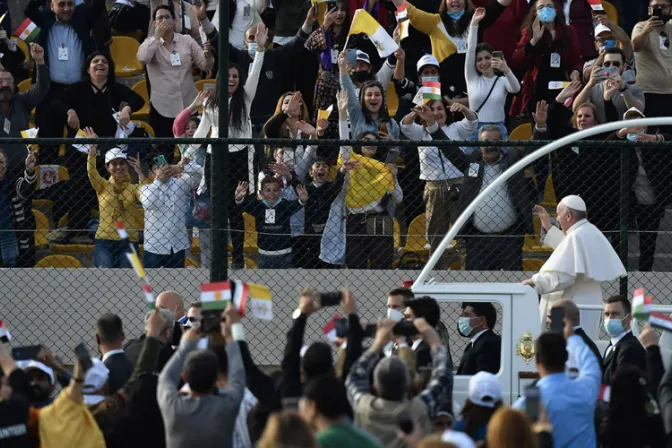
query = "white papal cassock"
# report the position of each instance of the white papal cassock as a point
(581, 260)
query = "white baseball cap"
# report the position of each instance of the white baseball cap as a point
(95, 377)
(633, 111)
(599, 29)
(364, 57)
(114, 153)
(427, 59)
(27, 364)
(574, 202)
(484, 389)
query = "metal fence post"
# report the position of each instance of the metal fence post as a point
(624, 214)
(219, 178)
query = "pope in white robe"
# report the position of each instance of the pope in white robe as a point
(581, 260)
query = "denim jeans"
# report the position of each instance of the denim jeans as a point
(9, 247)
(174, 260)
(111, 253)
(275, 261)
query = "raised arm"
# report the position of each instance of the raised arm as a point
(441, 381)
(354, 108)
(470, 72)
(253, 76)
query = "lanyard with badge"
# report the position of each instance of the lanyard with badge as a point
(63, 53)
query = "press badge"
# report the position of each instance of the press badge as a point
(555, 60)
(247, 10)
(270, 216)
(175, 59)
(461, 46)
(187, 22)
(334, 56)
(62, 53)
(7, 126)
(473, 169)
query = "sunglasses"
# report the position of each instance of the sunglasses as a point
(193, 319)
(608, 64)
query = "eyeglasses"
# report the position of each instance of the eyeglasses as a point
(64, 4)
(193, 319)
(608, 64)
(163, 17)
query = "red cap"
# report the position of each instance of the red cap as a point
(408, 283)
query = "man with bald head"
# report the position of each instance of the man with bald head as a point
(582, 259)
(171, 301)
(573, 315)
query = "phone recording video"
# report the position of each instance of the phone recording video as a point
(330, 298)
(26, 352)
(83, 356)
(211, 322)
(557, 320)
(532, 396)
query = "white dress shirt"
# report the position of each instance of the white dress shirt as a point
(112, 353)
(615, 341)
(166, 205)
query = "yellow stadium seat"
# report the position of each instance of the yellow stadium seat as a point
(251, 236)
(521, 132)
(144, 125)
(124, 52)
(416, 239)
(532, 264)
(59, 261)
(455, 265)
(533, 242)
(249, 263)
(611, 11)
(140, 88)
(392, 99)
(549, 201)
(195, 246)
(191, 263)
(205, 84)
(84, 249)
(41, 229)
(137, 35)
(23, 47)
(397, 234)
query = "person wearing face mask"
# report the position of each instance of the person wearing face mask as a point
(648, 172)
(448, 31)
(548, 51)
(624, 348)
(582, 258)
(610, 35)
(443, 180)
(364, 70)
(606, 84)
(483, 352)
(493, 235)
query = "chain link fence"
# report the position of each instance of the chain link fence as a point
(371, 227)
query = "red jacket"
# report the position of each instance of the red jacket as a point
(529, 59)
(504, 34)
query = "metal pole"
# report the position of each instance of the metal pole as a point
(519, 166)
(219, 183)
(624, 215)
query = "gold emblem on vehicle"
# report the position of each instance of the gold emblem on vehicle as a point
(525, 347)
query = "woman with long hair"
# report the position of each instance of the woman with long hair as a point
(510, 428)
(328, 41)
(185, 126)
(548, 52)
(241, 157)
(630, 421)
(368, 113)
(489, 81)
(287, 429)
(442, 179)
(448, 31)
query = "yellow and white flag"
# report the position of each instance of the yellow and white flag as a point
(363, 22)
(260, 301)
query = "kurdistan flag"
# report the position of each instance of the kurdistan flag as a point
(27, 31)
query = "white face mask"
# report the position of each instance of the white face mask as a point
(394, 315)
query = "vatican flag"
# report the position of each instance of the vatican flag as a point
(362, 22)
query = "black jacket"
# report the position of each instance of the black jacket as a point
(133, 348)
(120, 371)
(665, 403)
(83, 21)
(19, 194)
(591, 345)
(484, 355)
(627, 351)
(518, 186)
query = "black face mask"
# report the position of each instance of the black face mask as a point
(361, 76)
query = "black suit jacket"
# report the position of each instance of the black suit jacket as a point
(133, 347)
(120, 371)
(485, 355)
(591, 345)
(627, 351)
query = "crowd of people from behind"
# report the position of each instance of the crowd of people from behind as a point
(184, 382)
(296, 73)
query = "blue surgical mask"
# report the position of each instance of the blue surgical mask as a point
(633, 137)
(464, 326)
(456, 15)
(614, 327)
(251, 49)
(546, 14)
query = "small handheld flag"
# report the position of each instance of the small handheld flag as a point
(30, 133)
(431, 90)
(324, 114)
(149, 295)
(329, 328)
(596, 5)
(27, 31)
(641, 305)
(363, 22)
(215, 296)
(5, 335)
(402, 20)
